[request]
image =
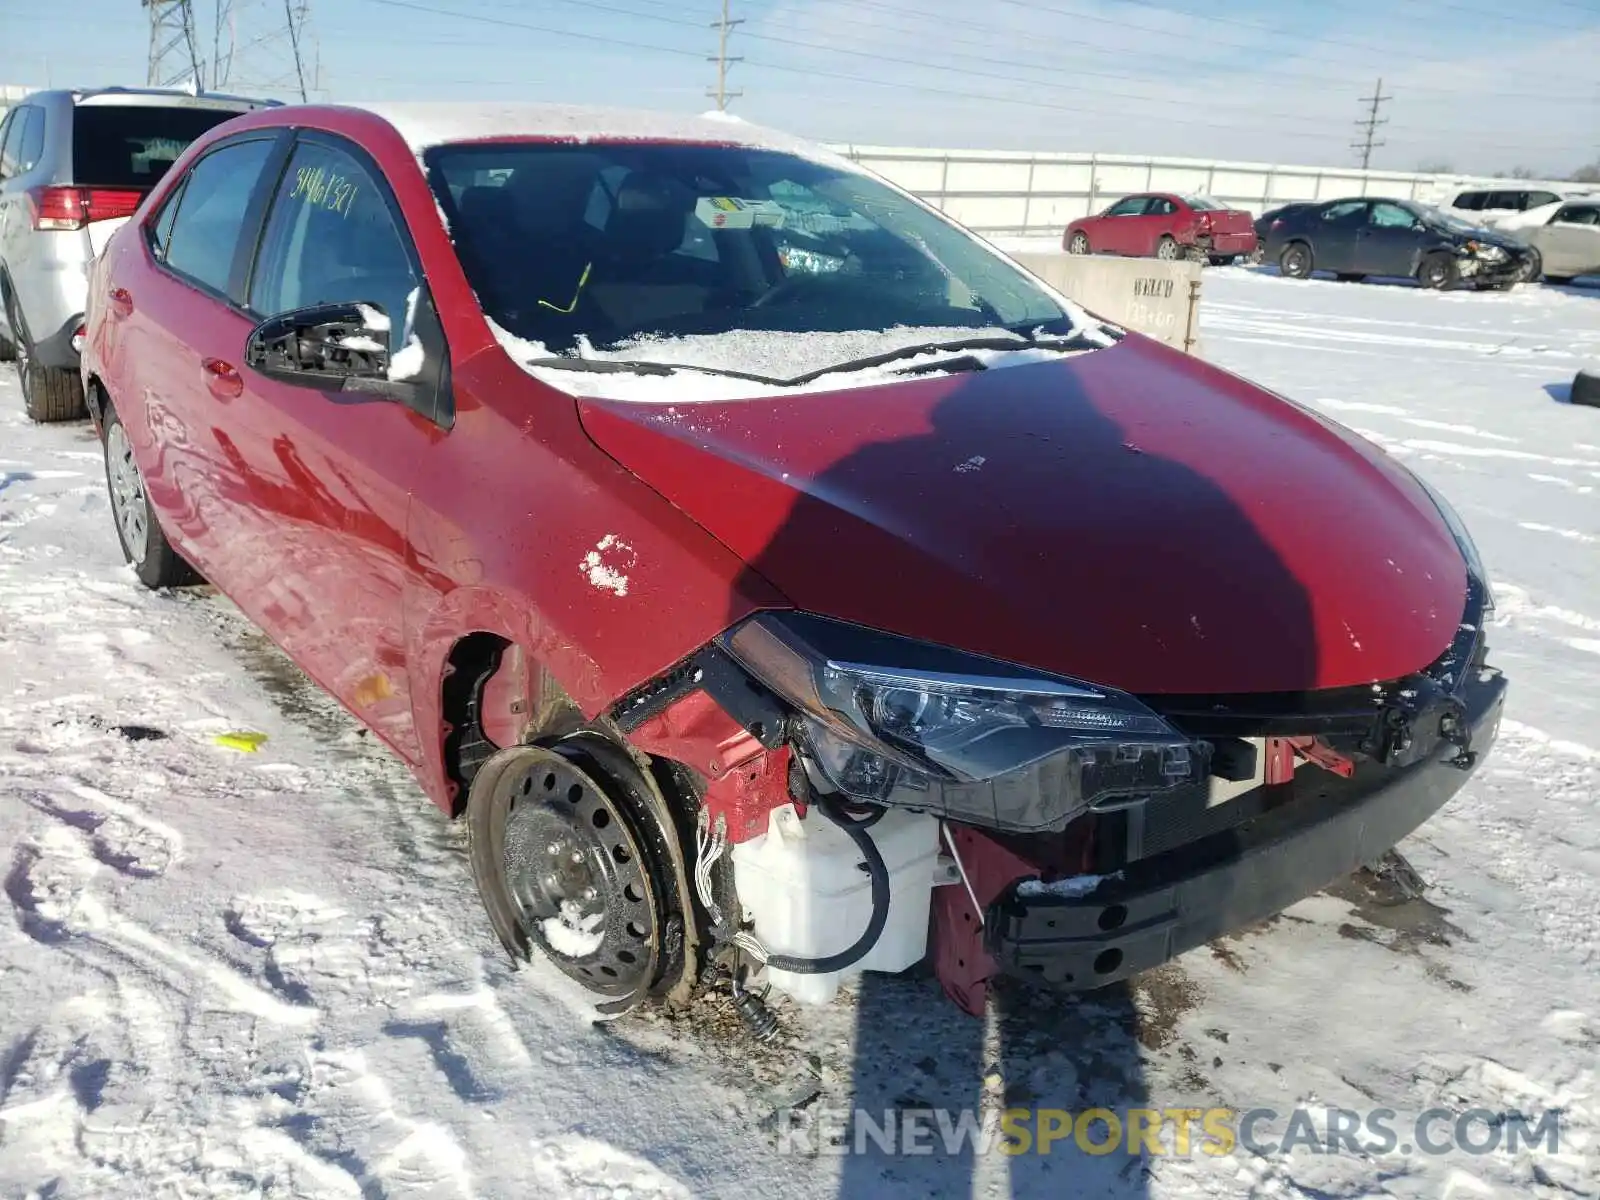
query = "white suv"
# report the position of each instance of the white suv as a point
(1490, 206)
(74, 165)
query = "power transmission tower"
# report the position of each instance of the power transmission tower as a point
(265, 46)
(1370, 123)
(724, 27)
(173, 57)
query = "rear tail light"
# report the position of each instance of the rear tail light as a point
(57, 208)
(67, 208)
(105, 204)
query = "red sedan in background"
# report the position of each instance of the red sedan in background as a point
(1164, 225)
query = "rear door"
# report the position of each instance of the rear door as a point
(173, 313)
(1333, 232)
(22, 252)
(1570, 243)
(1387, 243)
(9, 127)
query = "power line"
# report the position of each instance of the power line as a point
(1039, 42)
(724, 27)
(1371, 122)
(1317, 130)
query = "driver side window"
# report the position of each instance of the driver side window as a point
(1133, 206)
(1391, 216)
(330, 239)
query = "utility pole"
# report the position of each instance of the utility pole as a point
(1370, 123)
(173, 57)
(265, 46)
(724, 27)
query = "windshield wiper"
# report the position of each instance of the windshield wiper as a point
(966, 362)
(630, 366)
(1015, 341)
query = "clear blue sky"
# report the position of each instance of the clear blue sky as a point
(1478, 84)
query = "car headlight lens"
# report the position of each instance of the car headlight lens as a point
(896, 721)
(1464, 541)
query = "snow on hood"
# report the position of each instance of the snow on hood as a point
(774, 354)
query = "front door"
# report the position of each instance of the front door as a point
(1118, 230)
(320, 544)
(1570, 244)
(1387, 244)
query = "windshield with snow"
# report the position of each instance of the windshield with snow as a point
(684, 253)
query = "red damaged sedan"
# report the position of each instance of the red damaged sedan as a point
(1167, 226)
(779, 582)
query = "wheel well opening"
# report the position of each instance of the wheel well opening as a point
(95, 398)
(470, 665)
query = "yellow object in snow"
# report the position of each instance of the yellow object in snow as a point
(245, 741)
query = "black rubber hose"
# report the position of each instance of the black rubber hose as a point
(877, 871)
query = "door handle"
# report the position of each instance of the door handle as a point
(222, 378)
(121, 301)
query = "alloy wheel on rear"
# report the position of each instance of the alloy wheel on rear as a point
(128, 505)
(1167, 251)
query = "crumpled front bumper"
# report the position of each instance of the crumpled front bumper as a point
(1158, 908)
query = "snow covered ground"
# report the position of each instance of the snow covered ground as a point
(231, 974)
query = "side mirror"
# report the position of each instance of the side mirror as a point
(330, 347)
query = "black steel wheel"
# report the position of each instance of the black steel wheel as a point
(568, 860)
(1437, 271)
(1295, 261)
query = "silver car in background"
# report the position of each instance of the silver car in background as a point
(74, 165)
(1566, 234)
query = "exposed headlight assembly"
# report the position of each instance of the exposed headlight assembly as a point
(894, 721)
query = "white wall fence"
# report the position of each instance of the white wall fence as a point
(1018, 193)
(999, 192)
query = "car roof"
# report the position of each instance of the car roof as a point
(149, 96)
(434, 124)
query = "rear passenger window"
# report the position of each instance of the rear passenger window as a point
(331, 240)
(160, 230)
(31, 147)
(204, 234)
(24, 139)
(1161, 207)
(1470, 200)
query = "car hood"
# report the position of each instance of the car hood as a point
(1130, 516)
